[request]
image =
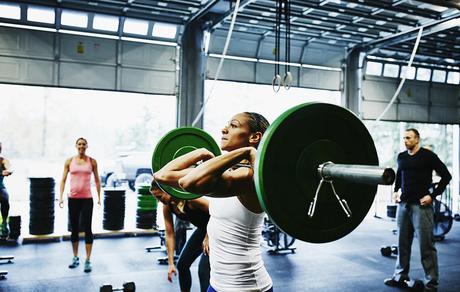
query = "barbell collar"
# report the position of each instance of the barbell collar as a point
(365, 174)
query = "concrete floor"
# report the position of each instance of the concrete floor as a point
(352, 263)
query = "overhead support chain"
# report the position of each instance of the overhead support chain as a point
(283, 16)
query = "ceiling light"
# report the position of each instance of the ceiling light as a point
(267, 14)
(301, 28)
(362, 29)
(346, 35)
(333, 14)
(449, 60)
(380, 22)
(253, 21)
(332, 42)
(351, 5)
(243, 28)
(317, 21)
(162, 4)
(401, 14)
(442, 35)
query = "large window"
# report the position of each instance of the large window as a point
(230, 98)
(39, 126)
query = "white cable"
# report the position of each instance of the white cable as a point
(227, 41)
(419, 36)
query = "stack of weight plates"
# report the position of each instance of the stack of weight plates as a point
(114, 209)
(41, 205)
(146, 215)
(15, 226)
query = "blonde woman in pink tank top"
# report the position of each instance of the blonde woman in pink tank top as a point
(80, 200)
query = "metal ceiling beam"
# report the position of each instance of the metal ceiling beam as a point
(203, 11)
(224, 16)
(401, 7)
(443, 3)
(430, 28)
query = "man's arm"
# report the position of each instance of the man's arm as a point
(179, 167)
(211, 178)
(396, 195)
(443, 172)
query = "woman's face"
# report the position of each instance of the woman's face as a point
(236, 133)
(81, 146)
(163, 197)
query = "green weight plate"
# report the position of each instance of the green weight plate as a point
(177, 143)
(286, 175)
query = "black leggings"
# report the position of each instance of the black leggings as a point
(193, 249)
(83, 207)
(4, 201)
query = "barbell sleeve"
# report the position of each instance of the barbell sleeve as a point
(365, 174)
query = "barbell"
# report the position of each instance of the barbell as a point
(316, 171)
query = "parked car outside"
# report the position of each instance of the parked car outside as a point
(132, 168)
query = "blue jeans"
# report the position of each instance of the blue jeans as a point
(193, 248)
(415, 218)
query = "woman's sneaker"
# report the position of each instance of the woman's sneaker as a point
(88, 267)
(75, 263)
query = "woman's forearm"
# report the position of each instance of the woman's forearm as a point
(204, 178)
(181, 166)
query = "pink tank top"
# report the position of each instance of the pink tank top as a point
(80, 179)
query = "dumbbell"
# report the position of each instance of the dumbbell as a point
(127, 287)
(388, 251)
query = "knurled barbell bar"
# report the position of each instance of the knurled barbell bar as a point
(316, 171)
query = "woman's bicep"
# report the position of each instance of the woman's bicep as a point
(236, 182)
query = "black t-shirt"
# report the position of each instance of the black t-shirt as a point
(197, 217)
(414, 175)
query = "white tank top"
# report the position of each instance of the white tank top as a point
(234, 242)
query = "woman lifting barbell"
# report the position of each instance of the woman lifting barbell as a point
(235, 226)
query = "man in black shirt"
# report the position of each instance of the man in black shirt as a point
(415, 209)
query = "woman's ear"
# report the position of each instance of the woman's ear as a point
(255, 138)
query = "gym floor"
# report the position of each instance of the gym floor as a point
(352, 263)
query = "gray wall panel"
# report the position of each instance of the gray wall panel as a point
(320, 79)
(87, 76)
(28, 57)
(442, 114)
(10, 69)
(245, 71)
(413, 112)
(18, 42)
(232, 70)
(148, 56)
(20, 70)
(372, 109)
(161, 82)
(447, 95)
(88, 49)
(38, 71)
(418, 101)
